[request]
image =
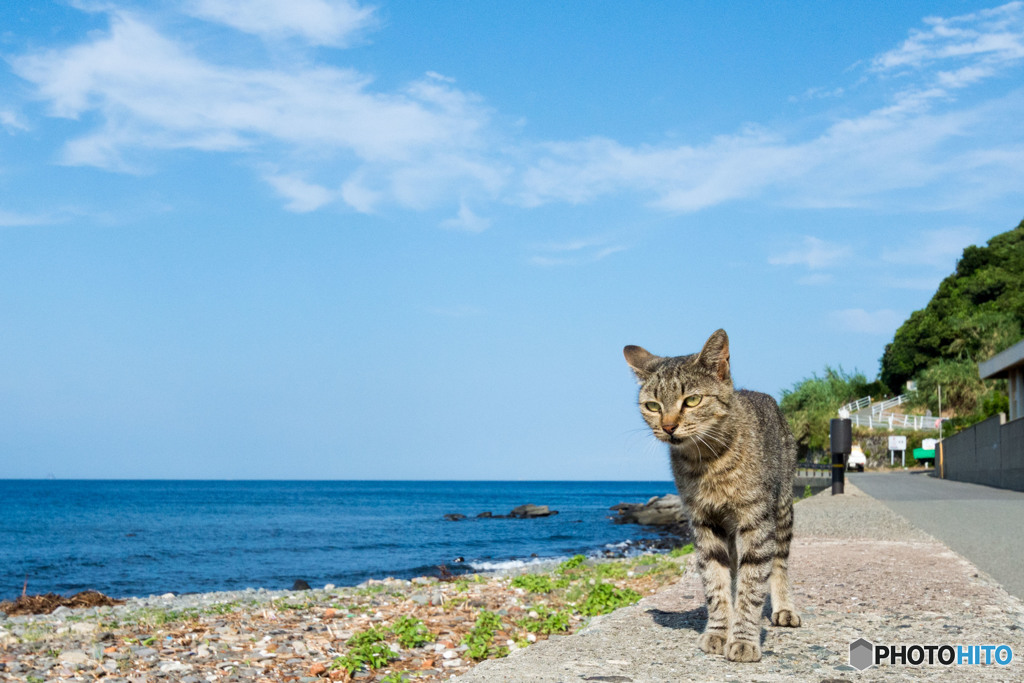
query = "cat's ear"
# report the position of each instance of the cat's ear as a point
(715, 355)
(640, 359)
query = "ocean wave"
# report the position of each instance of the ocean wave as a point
(510, 566)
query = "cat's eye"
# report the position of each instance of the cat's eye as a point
(653, 406)
(693, 401)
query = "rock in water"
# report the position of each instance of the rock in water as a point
(530, 511)
(664, 511)
(300, 585)
(454, 517)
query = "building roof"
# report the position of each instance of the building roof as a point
(999, 365)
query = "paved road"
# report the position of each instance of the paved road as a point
(980, 522)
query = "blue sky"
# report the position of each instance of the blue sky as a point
(320, 239)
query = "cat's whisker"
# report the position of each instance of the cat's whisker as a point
(706, 444)
(711, 436)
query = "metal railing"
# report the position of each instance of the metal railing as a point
(854, 407)
(864, 413)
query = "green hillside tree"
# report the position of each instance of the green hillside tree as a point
(976, 312)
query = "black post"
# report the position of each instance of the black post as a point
(840, 438)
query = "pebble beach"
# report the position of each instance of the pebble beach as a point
(424, 629)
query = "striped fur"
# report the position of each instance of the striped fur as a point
(733, 458)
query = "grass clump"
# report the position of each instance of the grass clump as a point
(605, 598)
(680, 552)
(368, 655)
(538, 583)
(548, 621)
(480, 639)
(411, 632)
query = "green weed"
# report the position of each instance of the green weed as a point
(548, 621)
(574, 562)
(411, 632)
(538, 583)
(481, 637)
(605, 598)
(680, 552)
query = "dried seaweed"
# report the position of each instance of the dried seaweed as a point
(45, 604)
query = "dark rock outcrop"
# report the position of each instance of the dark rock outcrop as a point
(667, 510)
(529, 511)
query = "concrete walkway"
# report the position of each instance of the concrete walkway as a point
(859, 570)
(980, 522)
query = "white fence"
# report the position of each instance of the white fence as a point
(864, 413)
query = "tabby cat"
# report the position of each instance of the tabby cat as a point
(733, 458)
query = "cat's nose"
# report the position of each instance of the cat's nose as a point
(669, 427)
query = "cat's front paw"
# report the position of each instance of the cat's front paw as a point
(785, 617)
(742, 651)
(712, 642)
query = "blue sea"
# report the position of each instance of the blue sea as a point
(136, 538)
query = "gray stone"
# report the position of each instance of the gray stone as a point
(658, 511)
(530, 511)
(74, 657)
(174, 666)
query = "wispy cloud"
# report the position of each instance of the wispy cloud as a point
(576, 252)
(934, 248)
(302, 196)
(814, 253)
(880, 322)
(152, 93)
(467, 221)
(11, 219)
(12, 122)
(913, 141)
(320, 22)
(336, 136)
(988, 38)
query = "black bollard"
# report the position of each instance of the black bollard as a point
(840, 438)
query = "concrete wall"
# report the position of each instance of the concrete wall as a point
(990, 453)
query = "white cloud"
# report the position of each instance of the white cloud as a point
(573, 253)
(991, 36)
(858, 320)
(467, 221)
(331, 133)
(356, 193)
(934, 248)
(815, 253)
(153, 94)
(914, 141)
(12, 219)
(682, 178)
(302, 197)
(12, 121)
(320, 22)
